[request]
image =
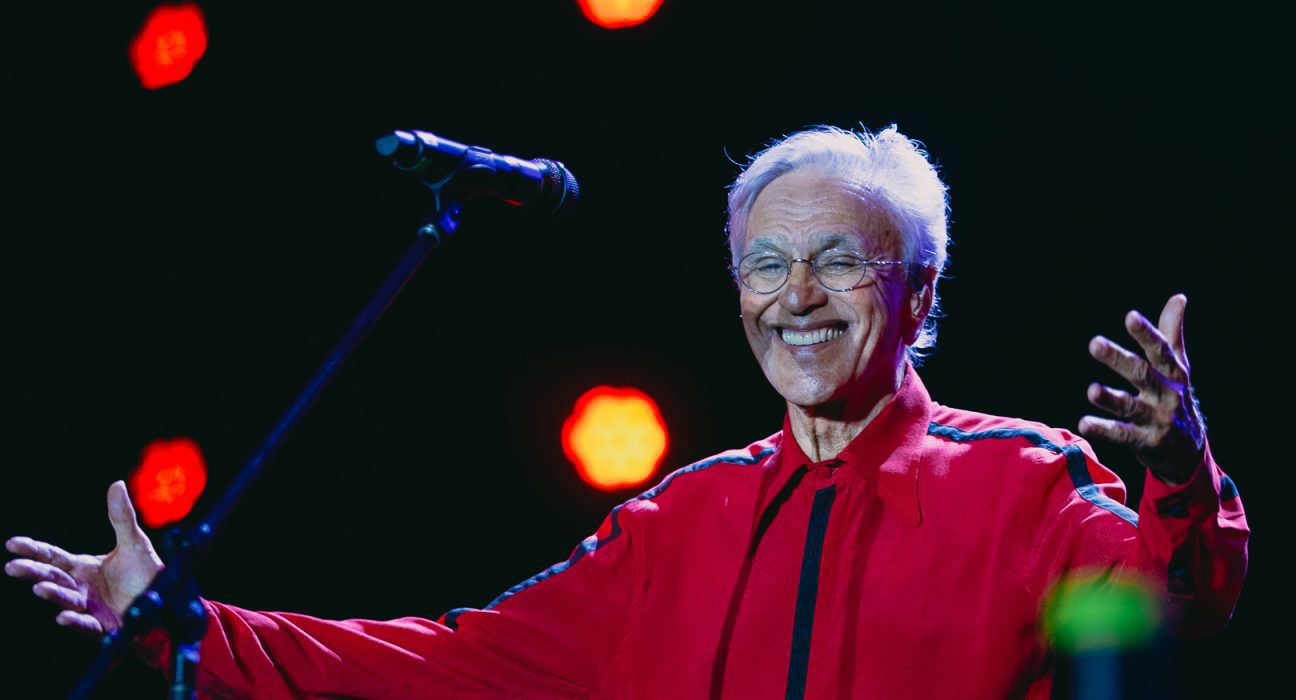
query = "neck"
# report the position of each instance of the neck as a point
(823, 432)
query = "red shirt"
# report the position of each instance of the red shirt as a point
(911, 566)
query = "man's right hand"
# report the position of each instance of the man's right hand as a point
(93, 591)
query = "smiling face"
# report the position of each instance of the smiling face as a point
(822, 349)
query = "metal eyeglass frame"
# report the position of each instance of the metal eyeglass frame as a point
(814, 269)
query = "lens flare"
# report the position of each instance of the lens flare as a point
(171, 41)
(169, 479)
(615, 436)
(615, 14)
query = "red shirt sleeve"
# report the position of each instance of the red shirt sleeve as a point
(1190, 545)
(551, 636)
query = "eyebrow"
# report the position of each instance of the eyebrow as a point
(834, 240)
(821, 241)
(764, 244)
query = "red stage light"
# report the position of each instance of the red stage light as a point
(614, 14)
(171, 41)
(615, 437)
(168, 481)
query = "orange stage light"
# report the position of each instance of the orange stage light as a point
(615, 436)
(172, 40)
(614, 14)
(168, 481)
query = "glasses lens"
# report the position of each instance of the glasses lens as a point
(763, 272)
(840, 270)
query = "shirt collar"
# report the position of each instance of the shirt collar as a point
(887, 453)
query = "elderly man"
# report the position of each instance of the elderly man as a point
(879, 545)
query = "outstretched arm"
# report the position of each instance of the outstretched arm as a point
(1192, 530)
(552, 637)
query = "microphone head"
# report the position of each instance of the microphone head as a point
(544, 187)
(559, 191)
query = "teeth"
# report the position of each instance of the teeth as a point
(814, 337)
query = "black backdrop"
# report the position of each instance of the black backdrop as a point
(177, 262)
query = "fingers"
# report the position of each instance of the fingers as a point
(66, 598)
(1156, 347)
(122, 514)
(53, 584)
(1125, 363)
(1161, 422)
(36, 571)
(1119, 403)
(40, 551)
(80, 621)
(1115, 431)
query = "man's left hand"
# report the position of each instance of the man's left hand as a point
(1161, 421)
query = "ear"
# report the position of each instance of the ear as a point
(921, 295)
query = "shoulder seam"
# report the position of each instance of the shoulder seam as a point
(1077, 468)
(592, 543)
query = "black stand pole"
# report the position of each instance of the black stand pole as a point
(171, 601)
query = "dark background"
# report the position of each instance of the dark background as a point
(177, 262)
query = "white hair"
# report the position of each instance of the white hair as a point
(888, 167)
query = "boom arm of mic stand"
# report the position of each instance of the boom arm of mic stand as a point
(171, 601)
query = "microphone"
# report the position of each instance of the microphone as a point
(467, 172)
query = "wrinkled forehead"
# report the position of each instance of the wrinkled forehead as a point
(802, 213)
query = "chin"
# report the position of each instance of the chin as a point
(809, 393)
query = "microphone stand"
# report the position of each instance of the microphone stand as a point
(171, 601)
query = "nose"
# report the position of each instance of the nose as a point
(802, 293)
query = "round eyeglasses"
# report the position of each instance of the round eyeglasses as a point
(837, 270)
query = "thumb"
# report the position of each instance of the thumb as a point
(1171, 325)
(122, 515)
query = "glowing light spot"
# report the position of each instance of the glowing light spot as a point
(168, 481)
(1095, 611)
(615, 14)
(615, 436)
(171, 41)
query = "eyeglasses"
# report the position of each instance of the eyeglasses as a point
(836, 270)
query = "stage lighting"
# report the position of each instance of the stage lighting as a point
(614, 14)
(171, 41)
(168, 481)
(615, 436)
(1086, 612)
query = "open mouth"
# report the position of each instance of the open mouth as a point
(813, 336)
